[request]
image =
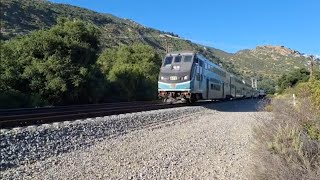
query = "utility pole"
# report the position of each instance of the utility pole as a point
(166, 41)
(167, 46)
(254, 83)
(254, 80)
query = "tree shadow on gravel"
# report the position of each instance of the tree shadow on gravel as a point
(242, 105)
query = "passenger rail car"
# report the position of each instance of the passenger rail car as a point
(188, 76)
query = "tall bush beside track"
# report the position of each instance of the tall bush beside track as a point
(295, 77)
(315, 89)
(59, 66)
(288, 144)
(52, 66)
(133, 71)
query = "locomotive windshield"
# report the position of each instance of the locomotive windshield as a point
(176, 68)
(187, 59)
(177, 59)
(168, 60)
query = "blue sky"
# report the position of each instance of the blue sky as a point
(230, 25)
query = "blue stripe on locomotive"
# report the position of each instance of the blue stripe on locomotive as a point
(175, 86)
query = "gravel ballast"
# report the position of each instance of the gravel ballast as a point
(179, 143)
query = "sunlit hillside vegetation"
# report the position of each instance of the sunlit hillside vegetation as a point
(288, 143)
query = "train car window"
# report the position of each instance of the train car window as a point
(217, 87)
(211, 86)
(201, 63)
(196, 60)
(177, 59)
(214, 80)
(187, 59)
(168, 60)
(198, 77)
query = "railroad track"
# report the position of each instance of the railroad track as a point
(35, 116)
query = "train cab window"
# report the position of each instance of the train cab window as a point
(187, 59)
(167, 60)
(177, 59)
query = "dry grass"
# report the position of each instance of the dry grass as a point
(287, 145)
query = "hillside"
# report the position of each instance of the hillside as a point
(23, 16)
(268, 61)
(19, 17)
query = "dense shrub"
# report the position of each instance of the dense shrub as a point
(59, 66)
(267, 84)
(288, 143)
(315, 90)
(56, 65)
(292, 78)
(295, 77)
(133, 71)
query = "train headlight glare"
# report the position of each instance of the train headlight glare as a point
(185, 77)
(161, 77)
(176, 67)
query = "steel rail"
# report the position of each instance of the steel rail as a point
(69, 114)
(4, 112)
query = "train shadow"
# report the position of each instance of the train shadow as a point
(239, 105)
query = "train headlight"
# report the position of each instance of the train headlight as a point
(176, 67)
(161, 77)
(185, 77)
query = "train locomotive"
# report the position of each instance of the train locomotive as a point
(189, 76)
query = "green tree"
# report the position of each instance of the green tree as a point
(133, 71)
(268, 85)
(52, 66)
(292, 78)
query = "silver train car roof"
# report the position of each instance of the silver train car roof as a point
(181, 52)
